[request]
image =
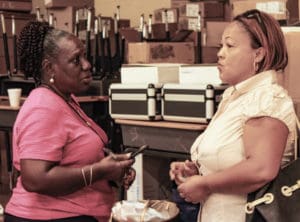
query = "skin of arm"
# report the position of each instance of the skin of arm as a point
(51, 179)
(264, 141)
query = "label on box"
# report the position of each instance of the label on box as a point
(273, 7)
(82, 14)
(170, 16)
(192, 10)
(192, 23)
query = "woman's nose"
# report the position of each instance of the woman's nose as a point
(220, 53)
(85, 64)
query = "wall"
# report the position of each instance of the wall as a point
(130, 9)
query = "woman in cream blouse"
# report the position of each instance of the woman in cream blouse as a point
(252, 132)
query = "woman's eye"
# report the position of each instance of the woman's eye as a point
(229, 45)
(76, 61)
(85, 55)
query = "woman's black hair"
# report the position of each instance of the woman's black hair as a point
(37, 40)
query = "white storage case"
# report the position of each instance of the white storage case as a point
(135, 101)
(190, 102)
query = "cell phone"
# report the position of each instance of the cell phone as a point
(138, 151)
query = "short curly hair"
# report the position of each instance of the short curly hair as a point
(37, 40)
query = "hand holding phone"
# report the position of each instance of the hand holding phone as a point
(138, 151)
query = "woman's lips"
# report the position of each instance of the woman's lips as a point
(87, 79)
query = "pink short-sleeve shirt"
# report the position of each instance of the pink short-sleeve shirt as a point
(48, 129)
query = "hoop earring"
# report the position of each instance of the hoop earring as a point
(255, 67)
(51, 80)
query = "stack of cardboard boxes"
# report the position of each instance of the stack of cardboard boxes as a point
(290, 78)
(276, 8)
(64, 12)
(183, 15)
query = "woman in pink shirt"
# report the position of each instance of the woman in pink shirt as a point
(57, 148)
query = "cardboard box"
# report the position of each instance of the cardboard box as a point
(24, 6)
(211, 9)
(294, 11)
(275, 8)
(178, 3)
(191, 23)
(161, 52)
(188, 23)
(213, 33)
(150, 73)
(297, 108)
(291, 77)
(209, 54)
(65, 18)
(172, 15)
(110, 24)
(66, 3)
(130, 34)
(159, 32)
(199, 74)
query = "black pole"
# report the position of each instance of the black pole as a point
(96, 59)
(141, 27)
(167, 31)
(199, 39)
(117, 42)
(122, 50)
(5, 44)
(199, 47)
(88, 36)
(15, 71)
(7, 60)
(102, 54)
(109, 55)
(88, 46)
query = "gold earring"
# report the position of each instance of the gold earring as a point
(51, 79)
(255, 66)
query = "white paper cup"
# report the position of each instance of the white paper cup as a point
(14, 96)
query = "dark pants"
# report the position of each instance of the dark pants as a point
(11, 218)
(188, 212)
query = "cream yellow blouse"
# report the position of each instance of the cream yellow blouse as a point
(221, 146)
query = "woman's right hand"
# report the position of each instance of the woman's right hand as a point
(113, 167)
(179, 171)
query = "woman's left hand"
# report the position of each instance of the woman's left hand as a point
(129, 177)
(194, 189)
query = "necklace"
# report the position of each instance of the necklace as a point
(75, 108)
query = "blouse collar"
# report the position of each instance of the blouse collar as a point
(261, 79)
